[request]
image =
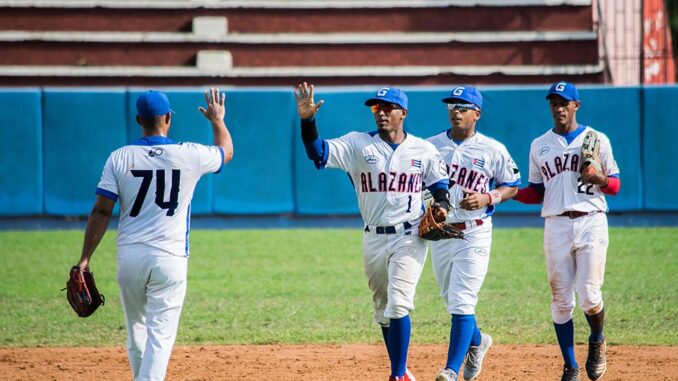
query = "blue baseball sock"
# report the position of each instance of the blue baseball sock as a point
(565, 336)
(596, 324)
(384, 333)
(398, 344)
(460, 339)
(475, 339)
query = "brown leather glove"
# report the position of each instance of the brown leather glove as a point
(82, 293)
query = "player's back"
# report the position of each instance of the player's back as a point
(155, 185)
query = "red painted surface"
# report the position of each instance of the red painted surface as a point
(303, 20)
(566, 18)
(658, 62)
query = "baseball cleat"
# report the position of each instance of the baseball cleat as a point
(475, 355)
(570, 373)
(596, 364)
(408, 376)
(446, 375)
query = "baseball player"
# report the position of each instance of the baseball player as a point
(481, 175)
(154, 179)
(575, 225)
(387, 167)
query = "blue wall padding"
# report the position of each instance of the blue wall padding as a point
(259, 179)
(660, 134)
(61, 138)
(329, 191)
(21, 154)
(80, 129)
(187, 125)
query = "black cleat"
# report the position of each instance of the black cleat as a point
(570, 373)
(596, 364)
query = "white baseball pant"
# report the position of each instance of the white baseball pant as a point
(460, 266)
(575, 251)
(152, 290)
(393, 265)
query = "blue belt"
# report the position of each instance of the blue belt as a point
(388, 229)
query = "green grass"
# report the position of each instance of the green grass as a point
(308, 286)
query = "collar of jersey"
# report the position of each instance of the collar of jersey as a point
(570, 136)
(152, 141)
(392, 145)
(458, 142)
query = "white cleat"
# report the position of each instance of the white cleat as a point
(475, 356)
(446, 375)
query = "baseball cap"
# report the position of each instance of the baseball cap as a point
(153, 103)
(390, 95)
(565, 90)
(468, 94)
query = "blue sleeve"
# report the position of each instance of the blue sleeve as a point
(442, 184)
(318, 151)
(107, 194)
(221, 151)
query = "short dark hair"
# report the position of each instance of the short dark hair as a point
(151, 122)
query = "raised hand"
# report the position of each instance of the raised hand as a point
(305, 104)
(215, 111)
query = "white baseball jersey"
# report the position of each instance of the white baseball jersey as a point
(155, 179)
(388, 182)
(480, 164)
(555, 163)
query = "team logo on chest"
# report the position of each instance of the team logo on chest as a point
(371, 159)
(415, 163)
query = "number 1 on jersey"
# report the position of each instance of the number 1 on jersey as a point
(147, 177)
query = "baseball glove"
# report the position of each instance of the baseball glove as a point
(590, 152)
(433, 230)
(82, 293)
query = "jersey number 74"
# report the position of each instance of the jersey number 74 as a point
(146, 178)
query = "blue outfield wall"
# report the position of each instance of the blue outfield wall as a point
(21, 175)
(57, 141)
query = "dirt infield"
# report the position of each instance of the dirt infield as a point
(328, 362)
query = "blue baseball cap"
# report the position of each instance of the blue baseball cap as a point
(390, 95)
(565, 90)
(153, 103)
(468, 94)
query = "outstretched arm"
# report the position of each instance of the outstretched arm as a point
(215, 113)
(96, 228)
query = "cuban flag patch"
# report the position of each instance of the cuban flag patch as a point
(480, 163)
(415, 163)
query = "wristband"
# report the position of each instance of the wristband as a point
(495, 197)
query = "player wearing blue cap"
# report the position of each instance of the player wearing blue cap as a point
(154, 179)
(575, 225)
(481, 175)
(387, 168)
